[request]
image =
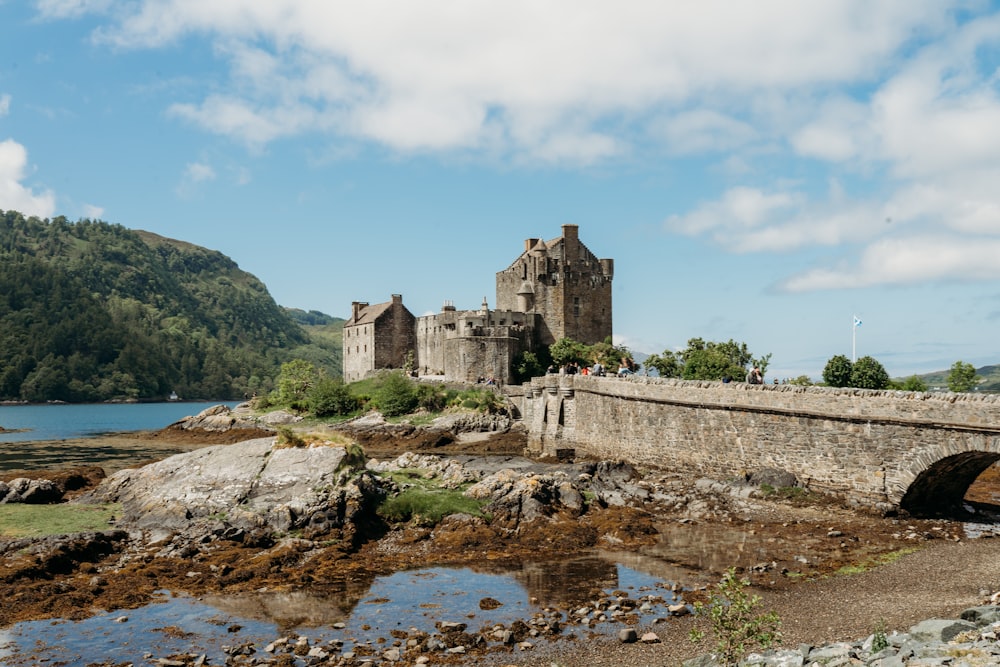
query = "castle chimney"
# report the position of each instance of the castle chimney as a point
(571, 243)
(529, 244)
(356, 308)
(397, 299)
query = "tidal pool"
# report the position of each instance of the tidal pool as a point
(418, 599)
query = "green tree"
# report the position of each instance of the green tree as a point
(526, 366)
(867, 373)
(295, 380)
(667, 365)
(801, 381)
(913, 383)
(567, 350)
(837, 372)
(962, 377)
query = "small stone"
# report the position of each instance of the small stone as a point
(650, 638)
(627, 636)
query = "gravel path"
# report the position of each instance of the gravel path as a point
(939, 581)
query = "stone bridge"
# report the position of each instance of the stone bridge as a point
(887, 450)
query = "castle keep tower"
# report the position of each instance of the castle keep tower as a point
(565, 283)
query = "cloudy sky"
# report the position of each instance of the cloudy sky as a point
(762, 171)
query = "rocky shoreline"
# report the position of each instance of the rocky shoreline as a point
(256, 515)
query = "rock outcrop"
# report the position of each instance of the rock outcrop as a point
(251, 486)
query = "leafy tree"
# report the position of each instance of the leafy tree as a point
(708, 360)
(801, 381)
(567, 350)
(297, 377)
(667, 365)
(962, 377)
(837, 372)
(609, 354)
(528, 365)
(913, 383)
(867, 373)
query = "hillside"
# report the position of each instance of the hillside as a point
(91, 311)
(990, 381)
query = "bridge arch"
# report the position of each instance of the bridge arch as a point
(938, 480)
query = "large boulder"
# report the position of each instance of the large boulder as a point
(252, 486)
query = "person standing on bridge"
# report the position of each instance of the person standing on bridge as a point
(754, 376)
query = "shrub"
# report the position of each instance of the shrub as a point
(432, 398)
(736, 624)
(331, 397)
(396, 395)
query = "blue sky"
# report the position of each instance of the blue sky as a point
(758, 171)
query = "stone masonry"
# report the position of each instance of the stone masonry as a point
(883, 449)
(554, 289)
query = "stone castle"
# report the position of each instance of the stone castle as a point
(554, 289)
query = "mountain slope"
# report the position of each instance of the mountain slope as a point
(92, 311)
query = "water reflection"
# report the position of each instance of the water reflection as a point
(710, 547)
(357, 614)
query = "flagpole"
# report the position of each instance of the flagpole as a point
(854, 338)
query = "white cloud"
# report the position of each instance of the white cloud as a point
(194, 174)
(93, 212)
(14, 195)
(544, 78)
(4, 104)
(197, 172)
(703, 130)
(908, 261)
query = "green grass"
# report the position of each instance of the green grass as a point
(18, 520)
(424, 501)
(872, 563)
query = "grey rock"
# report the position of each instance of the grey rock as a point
(774, 477)
(939, 630)
(249, 486)
(981, 616)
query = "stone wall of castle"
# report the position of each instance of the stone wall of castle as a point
(465, 345)
(868, 445)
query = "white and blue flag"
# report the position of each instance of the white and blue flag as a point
(857, 321)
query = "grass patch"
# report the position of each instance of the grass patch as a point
(19, 520)
(289, 438)
(872, 563)
(424, 502)
(796, 495)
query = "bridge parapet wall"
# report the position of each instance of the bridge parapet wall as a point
(868, 444)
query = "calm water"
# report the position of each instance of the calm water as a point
(417, 598)
(64, 422)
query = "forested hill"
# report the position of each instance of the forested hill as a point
(91, 311)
